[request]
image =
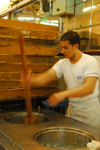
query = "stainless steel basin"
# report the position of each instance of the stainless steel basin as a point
(63, 138)
(6, 143)
(19, 118)
(2, 147)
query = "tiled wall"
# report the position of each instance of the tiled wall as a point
(98, 59)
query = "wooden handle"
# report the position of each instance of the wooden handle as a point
(28, 119)
(21, 40)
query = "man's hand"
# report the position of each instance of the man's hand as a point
(56, 98)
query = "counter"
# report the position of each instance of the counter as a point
(23, 135)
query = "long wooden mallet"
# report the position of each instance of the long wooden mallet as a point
(29, 119)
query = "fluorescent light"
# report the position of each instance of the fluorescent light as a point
(3, 3)
(25, 18)
(52, 22)
(46, 23)
(88, 8)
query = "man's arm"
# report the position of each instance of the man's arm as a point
(44, 78)
(85, 89)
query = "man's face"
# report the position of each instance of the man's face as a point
(67, 49)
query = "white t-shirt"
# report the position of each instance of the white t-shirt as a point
(87, 108)
(74, 74)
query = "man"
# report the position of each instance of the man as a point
(81, 75)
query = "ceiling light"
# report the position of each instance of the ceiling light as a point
(46, 23)
(3, 3)
(88, 8)
(25, 18)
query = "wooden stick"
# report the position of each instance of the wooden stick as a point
(21, 40)
(29, 118)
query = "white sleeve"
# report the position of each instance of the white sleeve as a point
(58, 69)
(92, 68)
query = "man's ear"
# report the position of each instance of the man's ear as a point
(76, 46)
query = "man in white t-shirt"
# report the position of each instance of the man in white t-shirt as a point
(81, 75)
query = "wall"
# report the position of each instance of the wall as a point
(86, 23)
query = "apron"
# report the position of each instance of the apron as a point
(86, 111)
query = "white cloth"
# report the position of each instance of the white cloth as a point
(74, 74)
(94, 145)
(86, 111)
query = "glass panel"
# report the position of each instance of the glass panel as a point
(37, 12)
(84, 38)
(95, 37)
(27, 13)
(5, 17)
(82, 13)
(47, 17)
(96, 12)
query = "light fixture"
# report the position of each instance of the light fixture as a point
(88, 8)
(48, 23)
(25, 18)
(3, 3)
(52, 22)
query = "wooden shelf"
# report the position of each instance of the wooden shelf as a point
(95, 52)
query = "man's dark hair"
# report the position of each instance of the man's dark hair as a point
(71, 36)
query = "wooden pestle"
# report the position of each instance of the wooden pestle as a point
(29, 119)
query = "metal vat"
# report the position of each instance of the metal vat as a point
(63, 138)
(7, 143)
(19, 118)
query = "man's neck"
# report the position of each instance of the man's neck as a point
(76, 57)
